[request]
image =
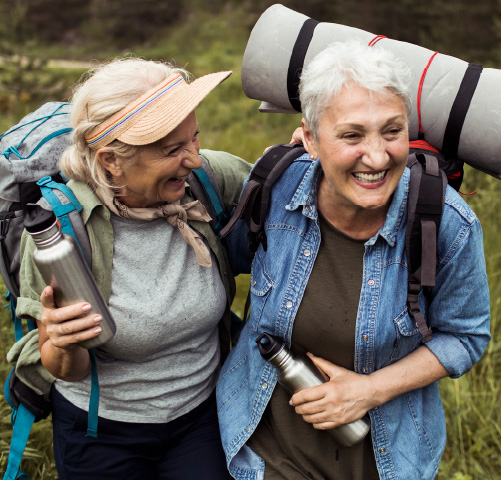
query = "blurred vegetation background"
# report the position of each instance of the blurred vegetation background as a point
(46, 46)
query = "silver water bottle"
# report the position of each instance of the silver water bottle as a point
(62, 266)
(297, 372)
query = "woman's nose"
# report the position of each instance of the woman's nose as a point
(376, 155)
(192, 159)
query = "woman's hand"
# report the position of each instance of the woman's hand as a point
(67, 326)
(298, 136)
(346, 397)
(60, 330)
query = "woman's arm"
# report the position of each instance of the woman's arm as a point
(347, 396)
(60, 330)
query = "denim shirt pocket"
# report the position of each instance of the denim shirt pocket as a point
(260, 288)
(407, 337)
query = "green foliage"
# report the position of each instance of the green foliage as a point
(129, 21)
(471, 402)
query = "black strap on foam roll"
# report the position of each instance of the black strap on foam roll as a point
(297, 61)
(460, 109)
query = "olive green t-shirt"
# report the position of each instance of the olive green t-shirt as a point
(325, 326)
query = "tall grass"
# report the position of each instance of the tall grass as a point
(471, 402)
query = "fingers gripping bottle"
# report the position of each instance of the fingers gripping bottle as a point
(297, 372)
(62, 266)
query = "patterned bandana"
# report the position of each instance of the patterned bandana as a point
(176, 214)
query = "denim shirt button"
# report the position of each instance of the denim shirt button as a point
(254, 283)
(365, 337)
(248, 428)
(371, 282)
(307, 253)
(264, 386)
(309, 208)
(288, 304)
(382, 450)
(364, 370)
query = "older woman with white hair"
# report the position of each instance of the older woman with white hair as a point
(333, 281)
(160, 267)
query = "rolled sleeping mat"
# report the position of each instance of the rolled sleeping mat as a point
(456, 106)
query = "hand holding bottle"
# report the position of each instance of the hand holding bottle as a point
(299, 375)
(345, 398)
(67, 326)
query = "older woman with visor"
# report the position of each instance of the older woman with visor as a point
(333, 281)
(160, 267)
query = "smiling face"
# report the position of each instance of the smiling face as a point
(159, 175)
(362, 145)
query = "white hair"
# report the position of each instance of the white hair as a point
(342, 64)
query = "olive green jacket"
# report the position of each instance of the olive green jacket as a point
(229, 171)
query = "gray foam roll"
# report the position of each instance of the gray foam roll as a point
(266, 63)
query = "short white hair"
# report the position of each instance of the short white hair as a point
(352, 62)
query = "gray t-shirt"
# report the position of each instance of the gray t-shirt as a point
(164, 359)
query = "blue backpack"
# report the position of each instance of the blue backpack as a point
(29, 152)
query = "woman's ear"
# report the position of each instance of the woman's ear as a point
(309, 140)
(109, 161)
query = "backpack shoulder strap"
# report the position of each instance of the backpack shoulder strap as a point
(67, 209)
(253, 203)
(21, 428)
(204, 187)
(425, 206)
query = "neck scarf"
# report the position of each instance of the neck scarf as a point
(175, 213)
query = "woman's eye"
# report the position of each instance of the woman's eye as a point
(172, 151)
(393, 132)
(351, 136)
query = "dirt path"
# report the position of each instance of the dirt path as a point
(69, 64)
(61, 63)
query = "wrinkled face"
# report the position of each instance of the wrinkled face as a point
(159, 175)
(362, 145)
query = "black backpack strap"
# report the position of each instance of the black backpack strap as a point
(425, 206)
(459, 110)
(296, 61)
(452, 134)
(22, 394)
(253, 203)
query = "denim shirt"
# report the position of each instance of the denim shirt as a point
(408, 432)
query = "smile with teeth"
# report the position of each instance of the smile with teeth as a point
(370, 177)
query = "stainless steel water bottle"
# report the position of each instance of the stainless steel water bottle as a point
(62, 266)
(297, 372)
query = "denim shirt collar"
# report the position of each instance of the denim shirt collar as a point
(306, 196)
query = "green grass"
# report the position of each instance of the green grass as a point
(471, 403)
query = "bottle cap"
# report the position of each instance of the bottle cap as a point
(269, 345)
(38, 219)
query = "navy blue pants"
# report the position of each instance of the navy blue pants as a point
(187, 448)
